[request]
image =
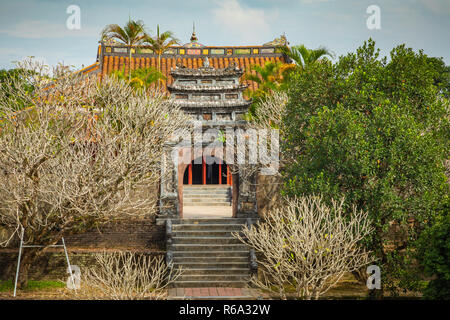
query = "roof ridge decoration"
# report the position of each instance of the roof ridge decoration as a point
(206, 70)
(194, 40)
(277, 42)
(193, 36)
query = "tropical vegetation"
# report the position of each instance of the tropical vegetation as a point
(376, 132)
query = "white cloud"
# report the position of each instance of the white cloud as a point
(248, 24)
(439, 7)
(39, 29)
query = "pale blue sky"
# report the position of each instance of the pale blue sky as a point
(38, 27)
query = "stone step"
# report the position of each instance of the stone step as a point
(216, 272)
(207, 247)
(207, 191)
(209, 221)
(217, 254)
(205, 240)
(206, 195)
(211, 259)
(205, 283)
(208, 204)
(216, 277)
(202, 233)
(206, 227)
(206, 199)
(193, 264)
(200, 201)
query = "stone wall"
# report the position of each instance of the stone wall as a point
(267, 193)
(142, 236)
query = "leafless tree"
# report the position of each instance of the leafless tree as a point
(127, 276)
(307, 245)
(257, 134)
(270, 111)
(78, 156)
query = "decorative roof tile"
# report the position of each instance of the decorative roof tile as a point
(231, 103)
(210, 88)
(244, 57)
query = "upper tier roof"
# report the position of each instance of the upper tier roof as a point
(115, 57)
(206, 72)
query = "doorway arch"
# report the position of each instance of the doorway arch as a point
(198, 172)
(201, 175)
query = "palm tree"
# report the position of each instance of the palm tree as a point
(304, 57)
(141, 79)
(132, 34)
(161, 43)
(268, 78)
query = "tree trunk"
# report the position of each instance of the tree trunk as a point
(377, 294)
(129, 68)
(159, 69)
(28, 258)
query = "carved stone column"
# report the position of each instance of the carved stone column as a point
(169, 206)
(247, 206)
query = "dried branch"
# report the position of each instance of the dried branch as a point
(127, 276)
(308, 245)
(80, 155)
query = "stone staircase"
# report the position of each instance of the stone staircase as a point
(207, 252)
(206, 195)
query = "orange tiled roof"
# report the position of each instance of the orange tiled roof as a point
(115, 57)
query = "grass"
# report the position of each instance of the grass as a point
(8, 285)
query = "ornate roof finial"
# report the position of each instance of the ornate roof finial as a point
(193, 37)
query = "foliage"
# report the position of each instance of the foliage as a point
(141, 79)
(274, 76)
(375, 132)
(8, 285)
(442, 75)
(434, 255)
(160, 44)
(17, 75)
(307, 245)
(132, 34)
(304, 57)
(269, 79)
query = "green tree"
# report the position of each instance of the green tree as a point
(132, 34)
(442, 75)
(161, 43)
(304, 57)
(375, 132)
(18, 79)
(141, 79)
(268, 78)
(434, 254)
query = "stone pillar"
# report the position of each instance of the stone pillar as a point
(246, 202)
(169, 205)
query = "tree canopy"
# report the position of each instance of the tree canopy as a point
(376, 132)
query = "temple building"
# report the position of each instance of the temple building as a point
(207, 83)
(202, 200)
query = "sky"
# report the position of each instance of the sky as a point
(39, 28)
